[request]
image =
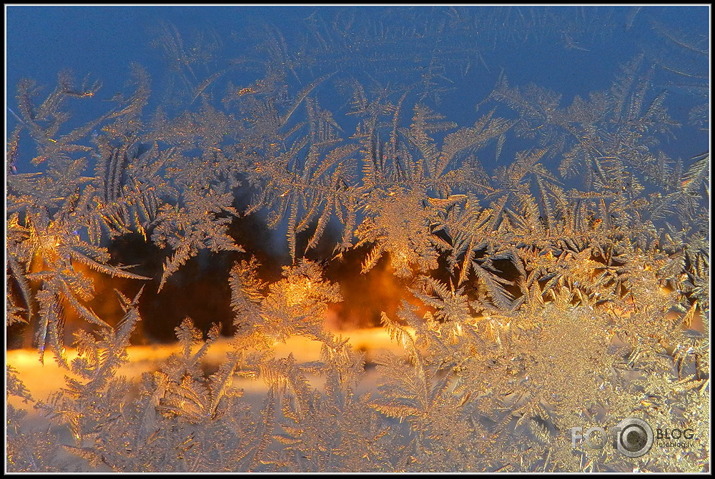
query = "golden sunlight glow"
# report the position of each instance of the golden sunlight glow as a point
(296, 292)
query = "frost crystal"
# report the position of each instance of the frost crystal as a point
(551, 255)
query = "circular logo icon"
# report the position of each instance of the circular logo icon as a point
(635, 437)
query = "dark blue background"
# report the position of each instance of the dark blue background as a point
(104, 40)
